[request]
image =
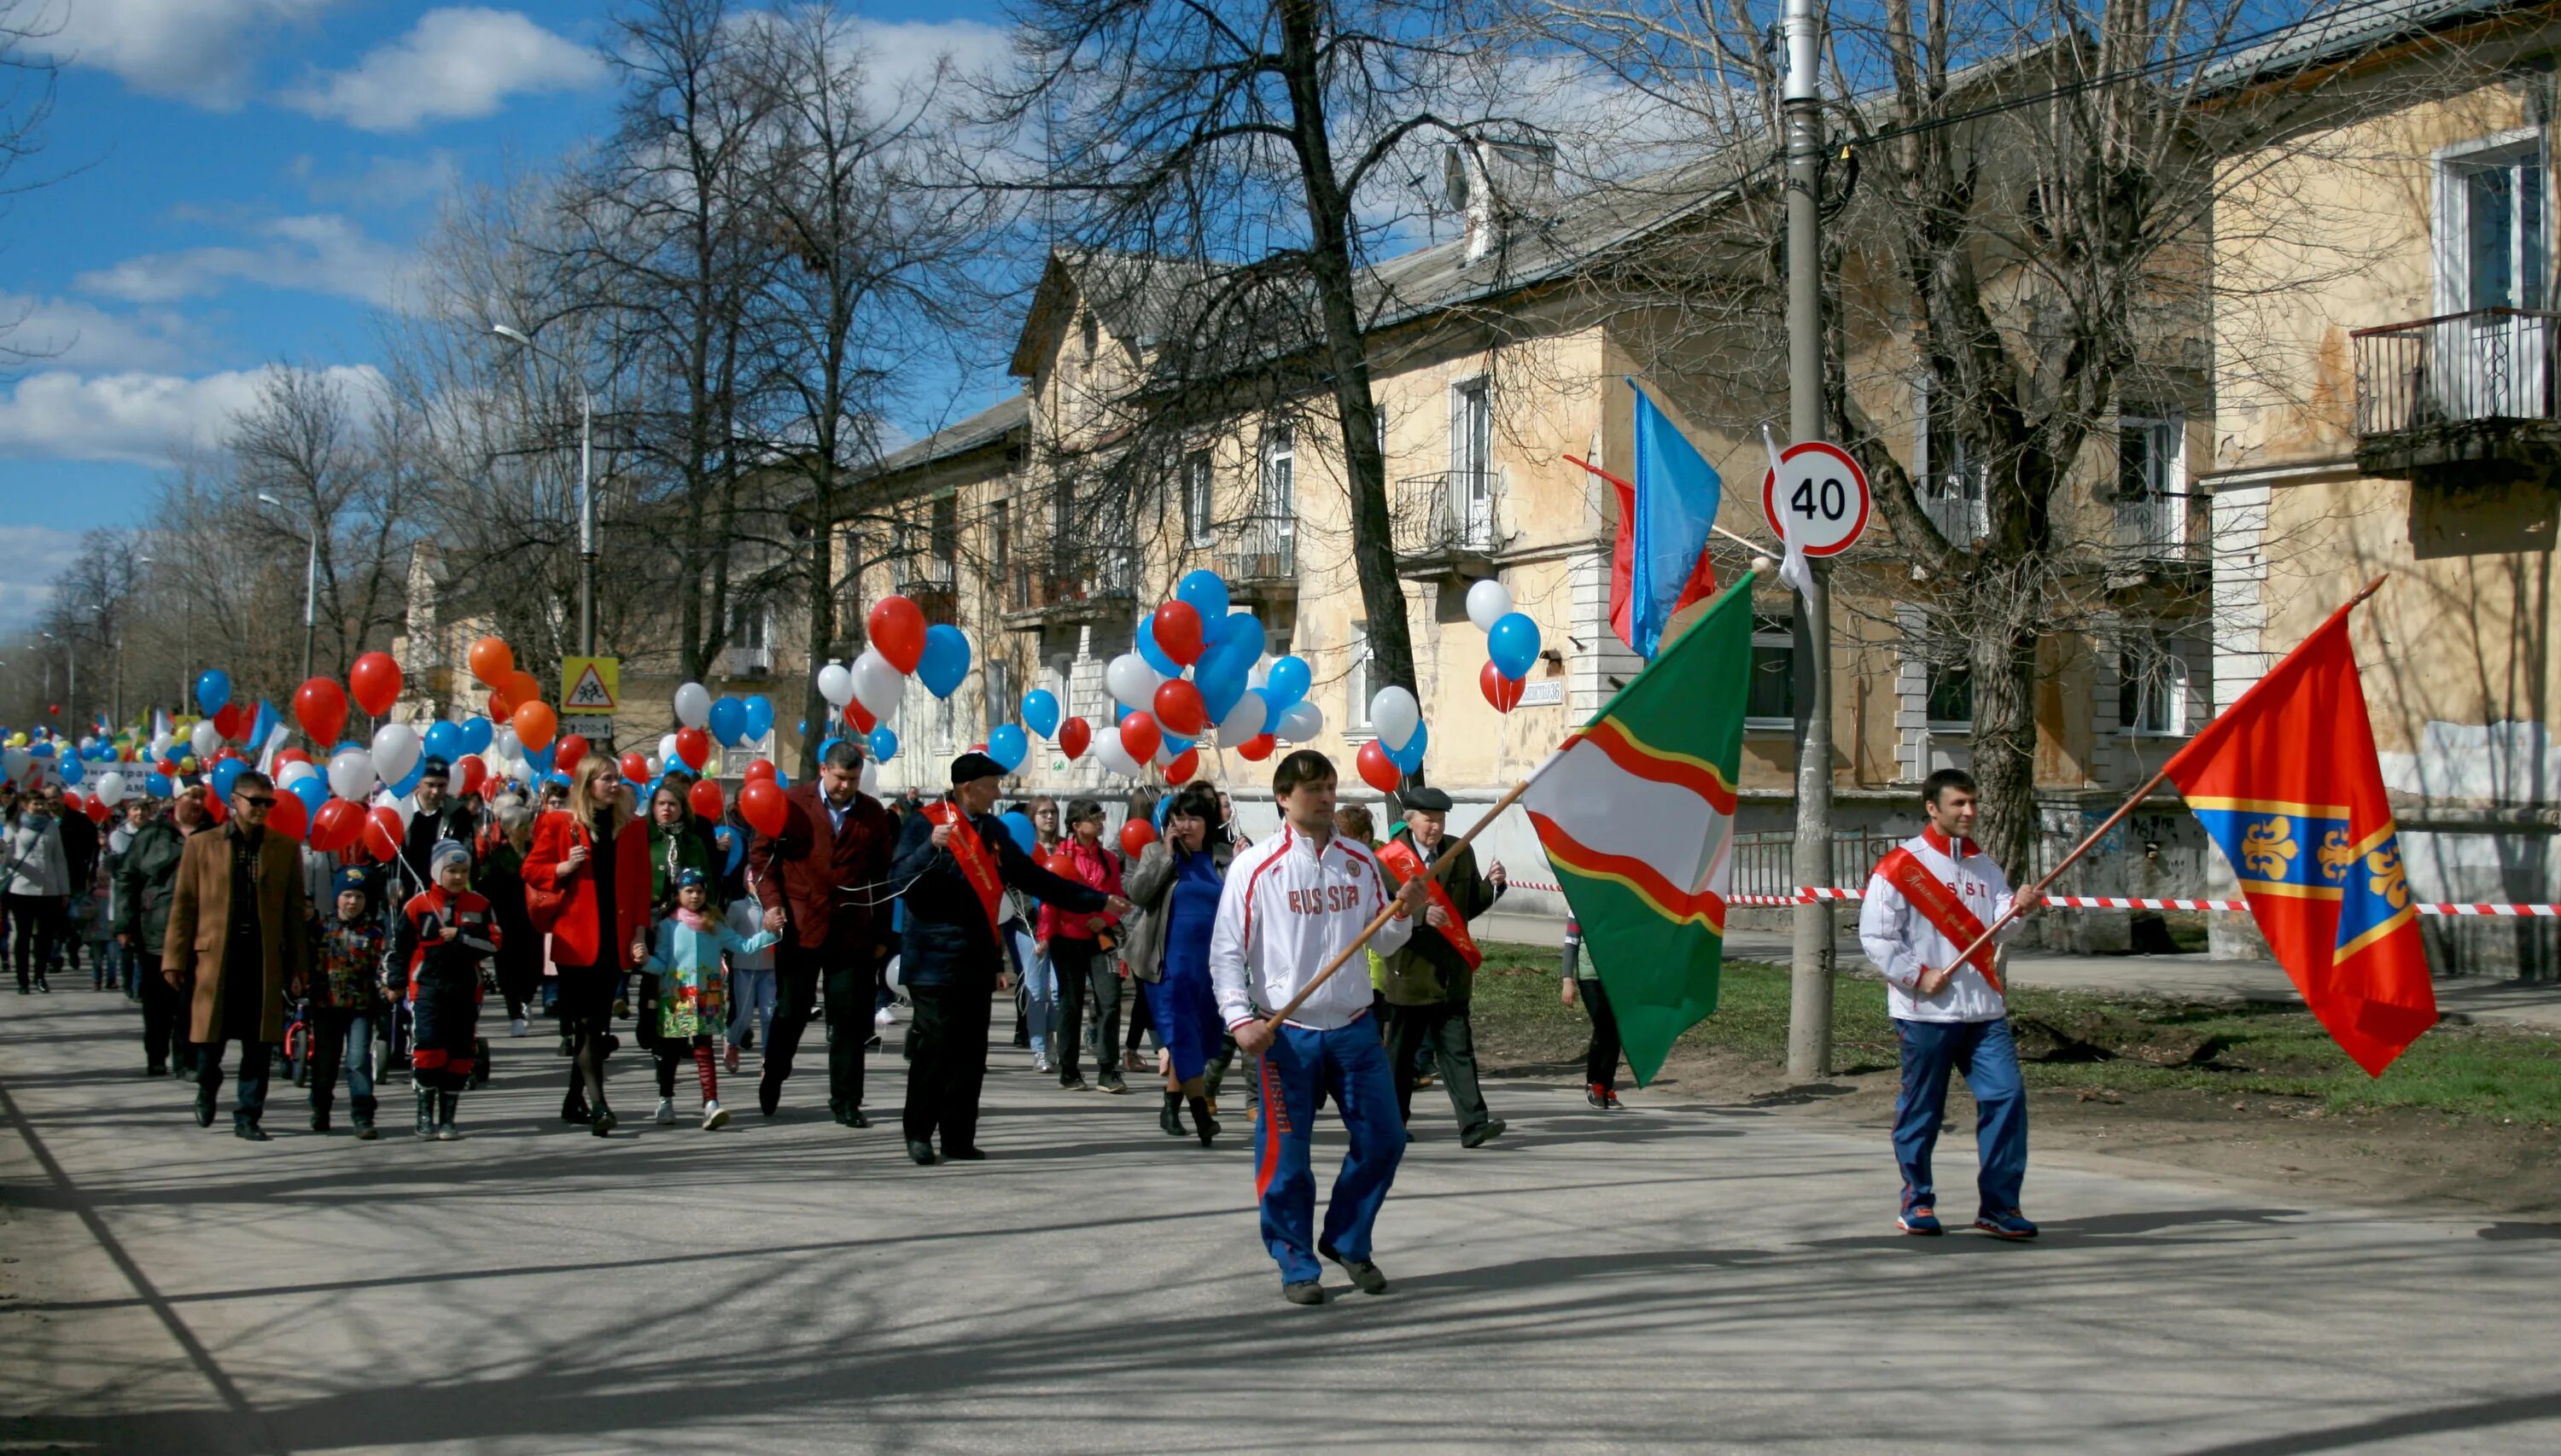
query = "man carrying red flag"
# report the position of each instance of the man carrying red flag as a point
(2286, 784)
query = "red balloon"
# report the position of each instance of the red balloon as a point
(898, 632)
(1135, 836)
(375, 683)
(232, 720)
(635, 767)
(761, 804)
(1184, 769)
(1140, 737)
(491, 661)
(759, 772)
(287, 817)
(320, 705)
(1062, 864)
(694, 746)
(502, 709)
(1502, 692)
(98, 812)
(71, 800)
(336, 825)
(705, 799)
(860, 718)
(1257, 748)
(168, 767)
(474, 773)
(1178, 632)
(1180, 707)
(566, 753)
(535, 725)
(383, 833)
(216, 810)
(1377, 769)
(1073, 737)
(291, 755)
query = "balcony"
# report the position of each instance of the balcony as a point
(737, 661)
(1448, 524)
(1086, 586)
(1258, 557)
(2471, 393)
(2151, 541)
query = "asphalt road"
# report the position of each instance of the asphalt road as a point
(1676, 1276)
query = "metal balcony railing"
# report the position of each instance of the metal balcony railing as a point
(1453, 511)
(1066, 579)
(924, 573)
(1261, 548)
(2153, 528)
(2455, 369)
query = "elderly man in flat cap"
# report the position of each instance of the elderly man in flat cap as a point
(956, 860)
(1429, 980)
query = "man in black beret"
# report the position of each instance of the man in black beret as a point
(955, 861)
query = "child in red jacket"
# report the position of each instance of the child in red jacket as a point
(448, 935)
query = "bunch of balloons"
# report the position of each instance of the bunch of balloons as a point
(1402, 736)
(515, 696)
(1196, 667)
(703, 721)
(1511, 643)
(1040, 714)
(902, 646)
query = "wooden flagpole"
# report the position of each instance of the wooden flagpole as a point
(2034, 895)
(1273, 1023)
(1622, 485)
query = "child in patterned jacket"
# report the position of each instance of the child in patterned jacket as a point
(693, 1000)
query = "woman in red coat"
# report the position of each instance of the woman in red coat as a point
(595, 854)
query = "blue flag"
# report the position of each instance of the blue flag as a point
(1677, 495)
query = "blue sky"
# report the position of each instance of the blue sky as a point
(239, 182)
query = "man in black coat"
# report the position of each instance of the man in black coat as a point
(955, 860)
(435, 818)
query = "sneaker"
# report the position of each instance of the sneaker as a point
(1922, 1220)
(1482, 1133)
(1040, 1062)
(2006, 1224)
(884, 1019)
(603, 1122)
(1598, 1096)
(715, 1116)
(1073, 1084)
(1363, 1272)
(666, 1114)
(519, 1027)
(923, 1153)
(1111, 1083)
(1305, 1291)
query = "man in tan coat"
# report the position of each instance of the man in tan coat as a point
(236, 934)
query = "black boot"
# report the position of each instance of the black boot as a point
(244, 1127)
(603, 1122)
(320, 1111)
(1202, 1122)
(364, 1109)
(426, 1113)
(1171, 1118)
(574, 1110)
(445, 1103)
(204, 1105)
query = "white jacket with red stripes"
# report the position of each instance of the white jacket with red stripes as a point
(1286, 910)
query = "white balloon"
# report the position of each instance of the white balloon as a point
(871, 778)
(693, 705)
(657, 765)
(110, 790)
(836, 683)
(161, 744)
(1133, 683)
(1394, 714)
(396, 749)
(502, 742)
(1107, 746)
(1300, 724)
(666, 752)
(877, 685)
(293, 773)
(1245, 719)
(405, 806)
(203, 738)
(1488, 602)
(521, 770)
(351, 774)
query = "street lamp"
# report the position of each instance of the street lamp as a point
(71, 669)
(310, 585)
(585, 498)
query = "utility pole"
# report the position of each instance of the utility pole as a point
(1809, 1006)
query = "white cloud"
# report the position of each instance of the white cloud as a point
(31, 556)
(138, 418)
(64, 333)
(203, 51)
(457, 63)
(320, 252)
(383, 182)
(901, 56)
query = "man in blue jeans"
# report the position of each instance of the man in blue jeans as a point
(1928, 901)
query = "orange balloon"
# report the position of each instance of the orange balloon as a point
(523, 688)
(491, 661)
(534, 725)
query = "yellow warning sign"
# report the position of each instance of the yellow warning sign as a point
(590, 684)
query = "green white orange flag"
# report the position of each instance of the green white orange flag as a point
(1637, 813)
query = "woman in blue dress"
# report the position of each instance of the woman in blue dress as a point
(1176, 886)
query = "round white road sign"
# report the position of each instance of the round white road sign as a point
(1823, 494)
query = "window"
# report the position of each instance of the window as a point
(1772, 697)
(1471, 461)
(1000, 546)
(1000, 692)
(2151, 691)
(1356, 686)
(1061, 685)
(944, 716)
(1092, 337)
(1952, 695)
(2490, 224)
(1279, 460)
(1949, 479)
(750, 626)
(946, 539)
(2152, 486)
(1196, 499)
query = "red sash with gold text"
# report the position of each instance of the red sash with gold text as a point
(976, 865)
(1400, 857)
(1939, 906)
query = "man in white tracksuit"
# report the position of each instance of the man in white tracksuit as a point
(1290, 905)
(1929, 900)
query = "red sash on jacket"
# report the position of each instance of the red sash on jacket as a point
(1939, 906)
(1400, 857)
(977, 866)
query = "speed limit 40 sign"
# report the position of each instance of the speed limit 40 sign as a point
(1817, 497)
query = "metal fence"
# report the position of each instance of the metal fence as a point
(1259, 548)
(2489, 364)
(1453, 511)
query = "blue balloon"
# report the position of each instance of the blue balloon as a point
(1514, 645)
(213, 690)
(829, 743)
(311, 789)
(1026, 833)
(945, 661)
(476, 733)
(540, 758)
(884, 743)
(1040, 711)
(1008, 746)
(1237, 627)
(157, 785)
(409, 784)
(70, 767)
(728, 722)
(443, 741)
(1220, 692)
(1410, 757)
(43, 748)
(803, 729)
(728, 839)
(1204, 593)
(227, 773)
(781, 780)
(759, 717)
(1288, 683)
(1175, 743)
(1154, 654)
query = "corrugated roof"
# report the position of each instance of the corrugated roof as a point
(2344, 30)
(983, 428)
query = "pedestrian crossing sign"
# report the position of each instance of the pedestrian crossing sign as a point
(591, 685)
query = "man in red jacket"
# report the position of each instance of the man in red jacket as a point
(818, 880)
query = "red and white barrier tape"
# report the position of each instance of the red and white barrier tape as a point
(2095, 903)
